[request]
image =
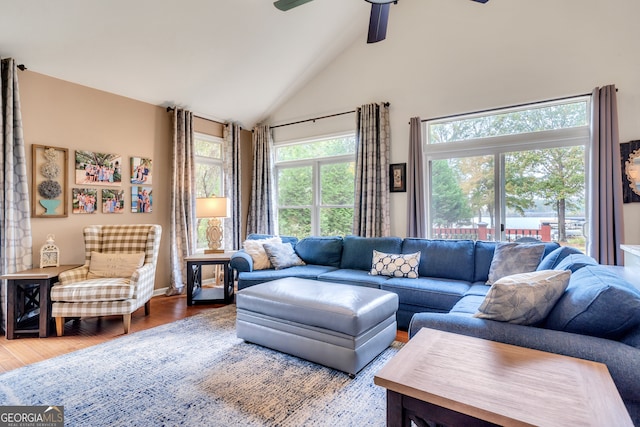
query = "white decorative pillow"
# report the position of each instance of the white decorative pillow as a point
(282, 255)
(256, 250)
(525, 298)
(395, 265)
(114, 264)
(514, 258)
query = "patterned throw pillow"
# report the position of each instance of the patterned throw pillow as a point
(514, 258)
(282, 255)
(525, 298)
(114, 264)
(255, 248)
(395, 265)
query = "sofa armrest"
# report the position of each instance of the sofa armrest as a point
(74, 275)
(622, 360)
(241, 261)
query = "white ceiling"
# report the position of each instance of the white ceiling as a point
(223, 59)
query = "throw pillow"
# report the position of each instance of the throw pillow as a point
(255, 248)
(575, 262)
(395, 265)
(114, 264)
(525, 298)
(282, 255)
(514, 258)
(550, 261)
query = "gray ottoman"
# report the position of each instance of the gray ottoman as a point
(340, 326)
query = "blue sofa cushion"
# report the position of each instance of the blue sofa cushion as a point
(448, 259)
(597, 302)
(550, 261)
(632, 338)
(575, 262)
(514, 258)
(250, 278)
(483, 257)
(468, 304)
(433, 294)
(353, 277)
(357, 252)
(320, 250)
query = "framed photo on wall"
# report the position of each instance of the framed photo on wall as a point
(141, 171)
(112, 200)
(85, 200)
(398, 177)
(141, 199)
(98, 168)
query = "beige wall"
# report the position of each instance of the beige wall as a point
(63, 114)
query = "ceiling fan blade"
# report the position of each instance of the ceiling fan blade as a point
(289, 4)
(378, 22)
(480, 1)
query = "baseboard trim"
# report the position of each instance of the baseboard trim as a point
(160, 291)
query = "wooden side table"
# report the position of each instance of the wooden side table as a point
(28, 302)
(457, 380)
(196, 293)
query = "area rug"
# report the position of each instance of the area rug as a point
(196, 372)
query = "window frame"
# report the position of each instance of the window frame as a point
(316, 166)
(499, 147)
(211, 161)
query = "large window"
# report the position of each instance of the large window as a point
(513, 174)
(209, 175)
(315, 186)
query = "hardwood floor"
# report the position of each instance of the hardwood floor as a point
(81, 334)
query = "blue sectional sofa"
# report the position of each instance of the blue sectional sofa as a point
(449, 269)
(597, 317)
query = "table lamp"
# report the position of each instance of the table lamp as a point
(213, 208)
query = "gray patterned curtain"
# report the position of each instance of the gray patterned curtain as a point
(261, 208)
(606, 226)
(416, 215)
(182, 233)
(371, 213)
(15, 221)
(232, 225)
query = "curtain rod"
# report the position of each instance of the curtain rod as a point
(199, 117)
(488, 110)
(321, 117)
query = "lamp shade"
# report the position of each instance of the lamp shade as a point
(212, 207)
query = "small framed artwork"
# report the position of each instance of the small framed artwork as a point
(141, 199)
(85, 200)
(98, 168)
(49, 179)
(112, 201)
(141, 172)
(630, 159)
(398, 177)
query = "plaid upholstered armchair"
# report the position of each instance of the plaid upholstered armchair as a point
(117, 277)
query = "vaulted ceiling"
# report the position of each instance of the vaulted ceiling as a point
(223, 59)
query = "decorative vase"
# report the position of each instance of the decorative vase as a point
(50, 205)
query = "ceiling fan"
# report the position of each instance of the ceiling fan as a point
(377, 21)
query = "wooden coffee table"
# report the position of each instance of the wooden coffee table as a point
(456, 380)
